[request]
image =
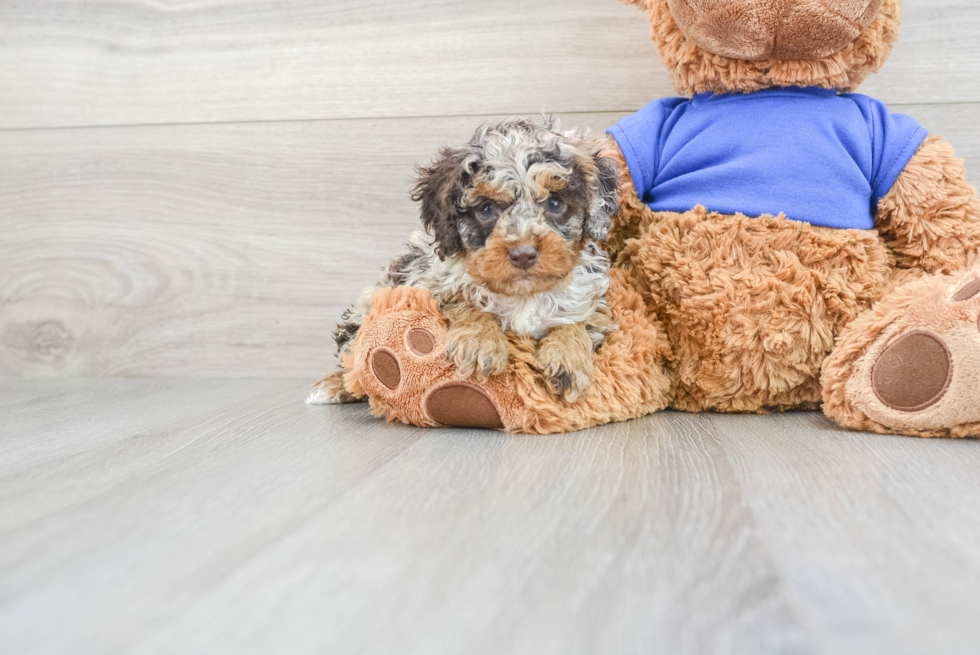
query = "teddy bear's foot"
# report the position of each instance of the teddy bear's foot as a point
(911, 365)
(413, 373)
(399, 361)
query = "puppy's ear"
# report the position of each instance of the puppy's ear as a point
(605, 204)
(439, 189)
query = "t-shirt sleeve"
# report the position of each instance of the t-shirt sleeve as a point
(894, 139)
(638, 136)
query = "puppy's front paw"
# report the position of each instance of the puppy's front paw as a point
(330, 391)
(482, 353)
(565, 358)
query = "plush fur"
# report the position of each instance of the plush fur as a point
(928, 305)
(732, 313)
(694, 69)
(774, 29)
(752, 306)
(930, 220)
(629, 374)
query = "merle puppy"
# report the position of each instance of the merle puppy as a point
(511, 223)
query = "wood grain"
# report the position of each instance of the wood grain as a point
(267, 525)
(229, 517)
(136, 62)
(906, 511)
(67, 63)
(219, 250)
(44, 422)
(936, 58)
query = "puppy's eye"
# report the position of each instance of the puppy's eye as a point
(554, 206)
(487, 211)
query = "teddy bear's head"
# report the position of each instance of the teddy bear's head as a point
(740, 46)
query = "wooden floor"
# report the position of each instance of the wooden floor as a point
(202, 516)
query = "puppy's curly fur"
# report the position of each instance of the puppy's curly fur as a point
(511, 224)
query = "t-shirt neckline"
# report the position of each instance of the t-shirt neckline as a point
(785, 91)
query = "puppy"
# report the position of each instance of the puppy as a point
(511, 223)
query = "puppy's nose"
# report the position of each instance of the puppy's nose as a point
(523, 257)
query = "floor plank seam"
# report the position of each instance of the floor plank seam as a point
(381, 118)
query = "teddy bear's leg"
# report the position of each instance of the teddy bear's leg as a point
(399, 362)
(911, 364)
(752, 305)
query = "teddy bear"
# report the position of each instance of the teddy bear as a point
(781, 242)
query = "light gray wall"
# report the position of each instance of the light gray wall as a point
(200, 188)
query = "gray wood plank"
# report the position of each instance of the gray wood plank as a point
(936, 57)
(65, 63)
(264, 464)
(487, 543)
(260, 524)
(132, 62)
(56, 418)
(219, 250)
(267, 525)
(18, 390)
(875, 536)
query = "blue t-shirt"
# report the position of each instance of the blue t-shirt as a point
(808, 153)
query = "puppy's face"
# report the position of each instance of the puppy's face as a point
(518, 202)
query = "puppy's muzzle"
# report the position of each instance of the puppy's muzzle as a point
(523, 257)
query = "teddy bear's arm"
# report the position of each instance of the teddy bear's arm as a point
(930, 219)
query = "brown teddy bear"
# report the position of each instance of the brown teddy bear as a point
(781, 242)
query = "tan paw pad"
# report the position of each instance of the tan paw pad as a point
(463, 405)
(384, 366)
(421, 342)
(913, 373)
(968, 291)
